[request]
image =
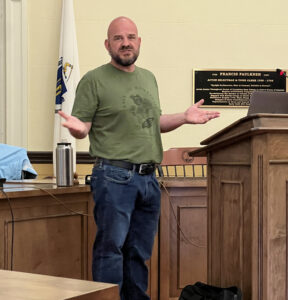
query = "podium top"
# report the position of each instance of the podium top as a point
(248, 126)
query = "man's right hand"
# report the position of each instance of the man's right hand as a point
(77, 128)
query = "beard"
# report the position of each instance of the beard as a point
(125, 61)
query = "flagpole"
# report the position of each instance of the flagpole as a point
(68, 76)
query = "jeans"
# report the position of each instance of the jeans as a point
(126, 212)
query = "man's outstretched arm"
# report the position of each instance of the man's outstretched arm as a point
(193, 115)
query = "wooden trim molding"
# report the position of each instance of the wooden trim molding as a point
(46, 157)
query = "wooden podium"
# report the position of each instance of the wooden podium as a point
(247, 210)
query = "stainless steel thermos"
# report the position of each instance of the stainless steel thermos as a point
(64, 164)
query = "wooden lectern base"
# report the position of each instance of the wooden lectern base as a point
(247, 206)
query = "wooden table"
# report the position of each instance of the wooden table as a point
(51, 231)
(23, 286)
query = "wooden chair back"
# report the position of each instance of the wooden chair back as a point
(178, 163)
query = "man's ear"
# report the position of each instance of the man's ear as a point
(106, 43)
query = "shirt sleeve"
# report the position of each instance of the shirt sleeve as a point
(86, 99)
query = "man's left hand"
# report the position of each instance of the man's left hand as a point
(195, 115)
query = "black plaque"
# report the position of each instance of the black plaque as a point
(232, 88)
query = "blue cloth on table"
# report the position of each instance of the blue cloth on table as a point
(14, 162)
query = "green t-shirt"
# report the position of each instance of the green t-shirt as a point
(125, 112)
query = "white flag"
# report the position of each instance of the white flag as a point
(68, 76)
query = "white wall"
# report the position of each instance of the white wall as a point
(2, 75)
(177, 36)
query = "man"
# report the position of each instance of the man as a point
(117, 104)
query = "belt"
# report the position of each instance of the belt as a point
(142, 169)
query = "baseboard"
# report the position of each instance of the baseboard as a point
(46, 157)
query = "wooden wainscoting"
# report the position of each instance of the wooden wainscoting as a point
(180, 250)
(46, 230)
(182, 235)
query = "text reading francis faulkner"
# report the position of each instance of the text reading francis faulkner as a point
(233, 88)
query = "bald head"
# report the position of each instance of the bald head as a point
(119, 23)
(123, 43)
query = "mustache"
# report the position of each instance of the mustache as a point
(126, 48)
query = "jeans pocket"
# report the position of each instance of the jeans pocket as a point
(95, 177)
(117, 175)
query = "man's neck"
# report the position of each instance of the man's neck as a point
(130, 68)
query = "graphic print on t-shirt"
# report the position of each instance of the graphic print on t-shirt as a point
(142, 106)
